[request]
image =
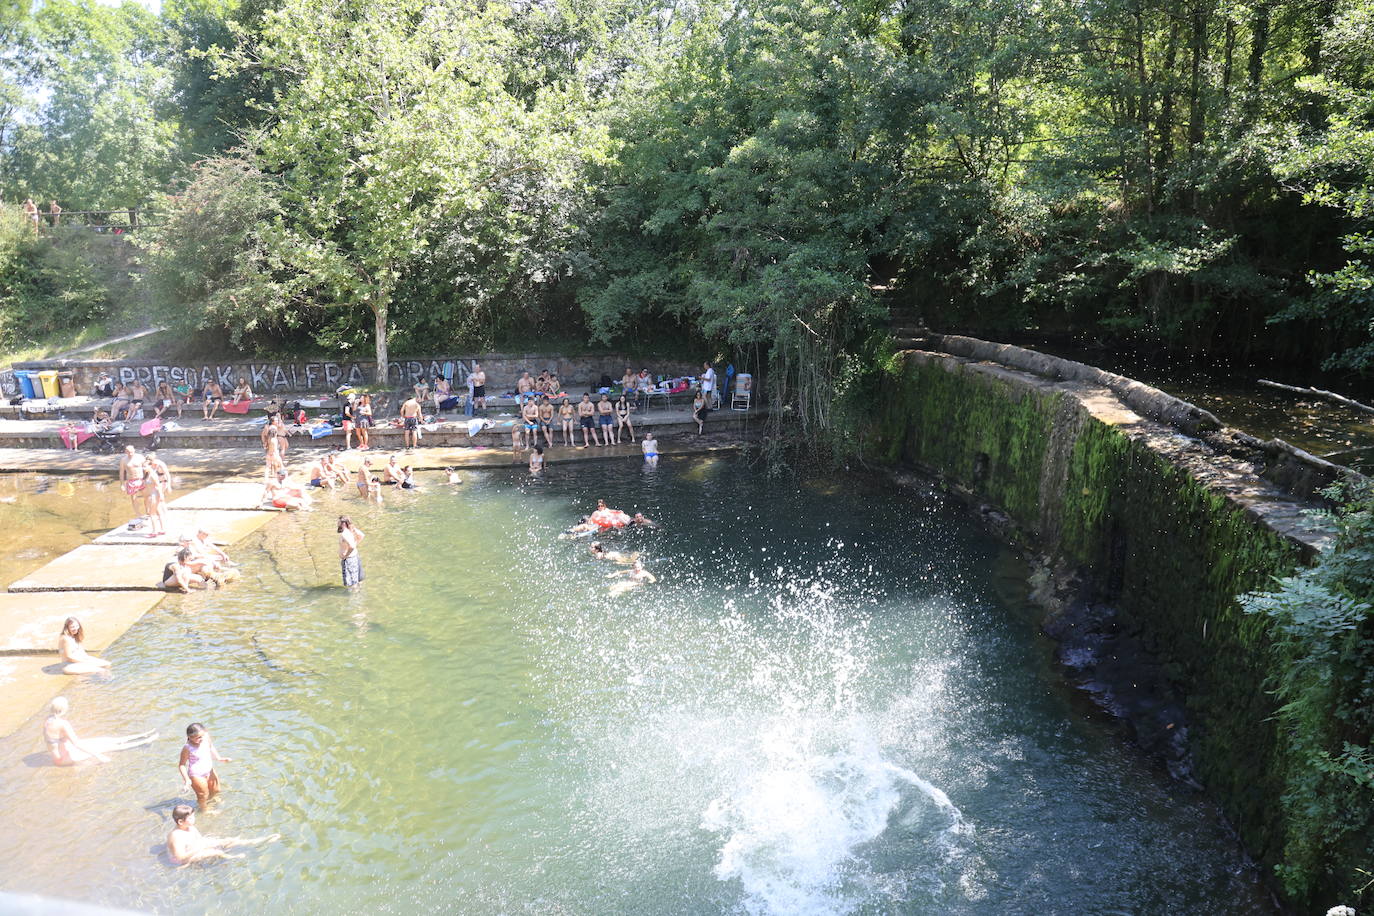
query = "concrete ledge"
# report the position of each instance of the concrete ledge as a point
(30, 622)
(100, 567)
(225, 526)
(28, 684)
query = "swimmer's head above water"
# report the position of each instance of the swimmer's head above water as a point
(182, 814)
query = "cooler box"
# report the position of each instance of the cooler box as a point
(66, 384)
(25, 379)
(49, 379)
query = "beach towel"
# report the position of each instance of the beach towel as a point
(448, 371)
(152, 426)
(477, 425)
(237, 406)
(73, 436)
(312, 403)
(320, 430)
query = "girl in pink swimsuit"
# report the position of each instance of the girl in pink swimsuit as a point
(197, 764)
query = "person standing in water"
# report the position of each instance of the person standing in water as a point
(197, 764)
(349, 562)
(650, 448)
(537, 460)
(68, 750)
(186, 844)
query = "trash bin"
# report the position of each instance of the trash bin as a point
(66, 384)
(25, 379)
(49, 379)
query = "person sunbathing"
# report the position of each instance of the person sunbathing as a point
(75, 658)
(67, 749)
(284, 494)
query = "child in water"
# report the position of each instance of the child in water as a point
(197, 764)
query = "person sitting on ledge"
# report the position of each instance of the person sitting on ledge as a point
(208, 548)
(283, 494)
(74, 656)
(177, 576)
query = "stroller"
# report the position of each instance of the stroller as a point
(106, 440)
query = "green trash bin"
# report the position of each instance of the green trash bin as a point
(49, 379)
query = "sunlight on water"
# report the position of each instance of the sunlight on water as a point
(819, 708)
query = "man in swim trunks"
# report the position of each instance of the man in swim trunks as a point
(136, 395)
(186, 844)
(410, 417)
(131, 477)
(368, 486)
(650, 448)
(214, 397)
(319, 475)
(606, 409)
(479, 387)
(524, 385)
(546, 419)
(586, 416)
(530, 415)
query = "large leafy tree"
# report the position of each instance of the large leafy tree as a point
(395, 124)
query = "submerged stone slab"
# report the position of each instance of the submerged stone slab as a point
(31, 621)
(226, 526)
(100, 567)
(232, 494)
(28, 684)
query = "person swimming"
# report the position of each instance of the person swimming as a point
(77, 660)
(629, 579)
(537, 460)
(67, 749)
(453, 475)
(615, 556)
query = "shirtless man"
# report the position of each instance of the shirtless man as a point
(214, 397)
(479, 387)
(586, 416)
(368, 486)
(530, 414)
(206, 547)
(615, 556)
(284, 494)
(131, 477)
(606, 409)
(203, 564)
(410, 417)
(546, 419)
(320, 475)
(186, 844)
(524, 385)
(136, 395)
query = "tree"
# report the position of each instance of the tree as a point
(393, 122)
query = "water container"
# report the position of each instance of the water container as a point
(49, 379)
(25, 379)
(66, 383)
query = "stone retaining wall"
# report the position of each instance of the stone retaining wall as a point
(326, 375)
(1150, 507)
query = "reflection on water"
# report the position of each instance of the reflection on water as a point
(822, 706)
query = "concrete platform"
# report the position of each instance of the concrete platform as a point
(28, 684)
(100, 567)
(30, 622)
(232, 495)
(225, 526)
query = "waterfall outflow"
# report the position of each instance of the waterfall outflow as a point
(776, 722)
(793, 831)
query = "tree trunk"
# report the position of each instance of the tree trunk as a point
(381, 304)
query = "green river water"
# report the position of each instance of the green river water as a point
(832, 701)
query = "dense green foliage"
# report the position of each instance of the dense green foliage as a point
(752, 178)
(1323, 624)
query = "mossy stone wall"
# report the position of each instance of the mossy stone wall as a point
(1152, 539)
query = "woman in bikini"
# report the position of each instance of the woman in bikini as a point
(68, 750)
(622, 413)
(74, 656)
(565, 417)
(178, 576)
(156, 500)
(363, 417)
(197, 764)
